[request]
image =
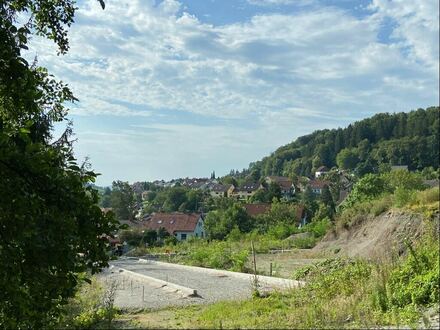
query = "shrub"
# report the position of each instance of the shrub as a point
(416, 280)
(428, 196)
(304, 242)
(381, 205)
(404, 196)
(281, 231)
(91, 308)
(318, 227)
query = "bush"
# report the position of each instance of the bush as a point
(219, 255)
(318, 227)
(381, 205)
(428, 196)
(170, 241)
(281, 231)
(404, 196)
(91, 308)
(304, 242)
(416, 280)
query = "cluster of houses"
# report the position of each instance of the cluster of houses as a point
(184, 226)
(287, 187)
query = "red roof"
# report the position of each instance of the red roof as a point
(284, 182)
(256, 209)
(173, 222)
(318, 184)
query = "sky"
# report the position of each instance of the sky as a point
(181, 88)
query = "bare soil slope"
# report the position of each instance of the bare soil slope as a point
(375, 237)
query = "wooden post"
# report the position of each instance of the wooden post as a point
(270, 271)
(253, 254)
(143, 293)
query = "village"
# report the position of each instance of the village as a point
(186, 225)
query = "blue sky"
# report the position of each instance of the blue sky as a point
(177, 88)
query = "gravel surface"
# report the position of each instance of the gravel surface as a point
(133, 293)
(211, 287)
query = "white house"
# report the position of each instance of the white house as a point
(180, 225)
(321, 171)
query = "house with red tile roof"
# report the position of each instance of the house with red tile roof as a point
(180, 225)
(318, 185)
(256, 209)
(286, 185)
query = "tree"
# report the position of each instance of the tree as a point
(309, 202)
(51, 228)
(347, 159)
(220, 223)
(327, 200)
(368, 187)
(273, 191)
(105, 200)
(123, 200)
(280, 214)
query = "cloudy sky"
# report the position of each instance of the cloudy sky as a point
(178, 88)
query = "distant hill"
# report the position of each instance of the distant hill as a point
(385, 139)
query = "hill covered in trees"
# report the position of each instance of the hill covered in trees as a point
(385, 139)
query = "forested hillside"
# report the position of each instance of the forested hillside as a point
(384, 139)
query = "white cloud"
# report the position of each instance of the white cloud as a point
(417, 27)
(288, 73)
(265, 3)
(137, 52)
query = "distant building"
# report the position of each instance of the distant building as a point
(180, 225)
(431, 183)
(342, 196)
(286, 185)
(256, 209)
(221, 190)
(321, 171)
(195, 183)
(246, 190)
(317, 186)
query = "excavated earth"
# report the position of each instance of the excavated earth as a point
(375, 237)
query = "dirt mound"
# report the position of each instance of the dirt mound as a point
(375, 237)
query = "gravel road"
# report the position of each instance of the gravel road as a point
(211, 286)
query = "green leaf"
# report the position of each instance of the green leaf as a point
(24, 130)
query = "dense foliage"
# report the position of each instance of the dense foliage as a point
(50, 226)
(385, 139)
